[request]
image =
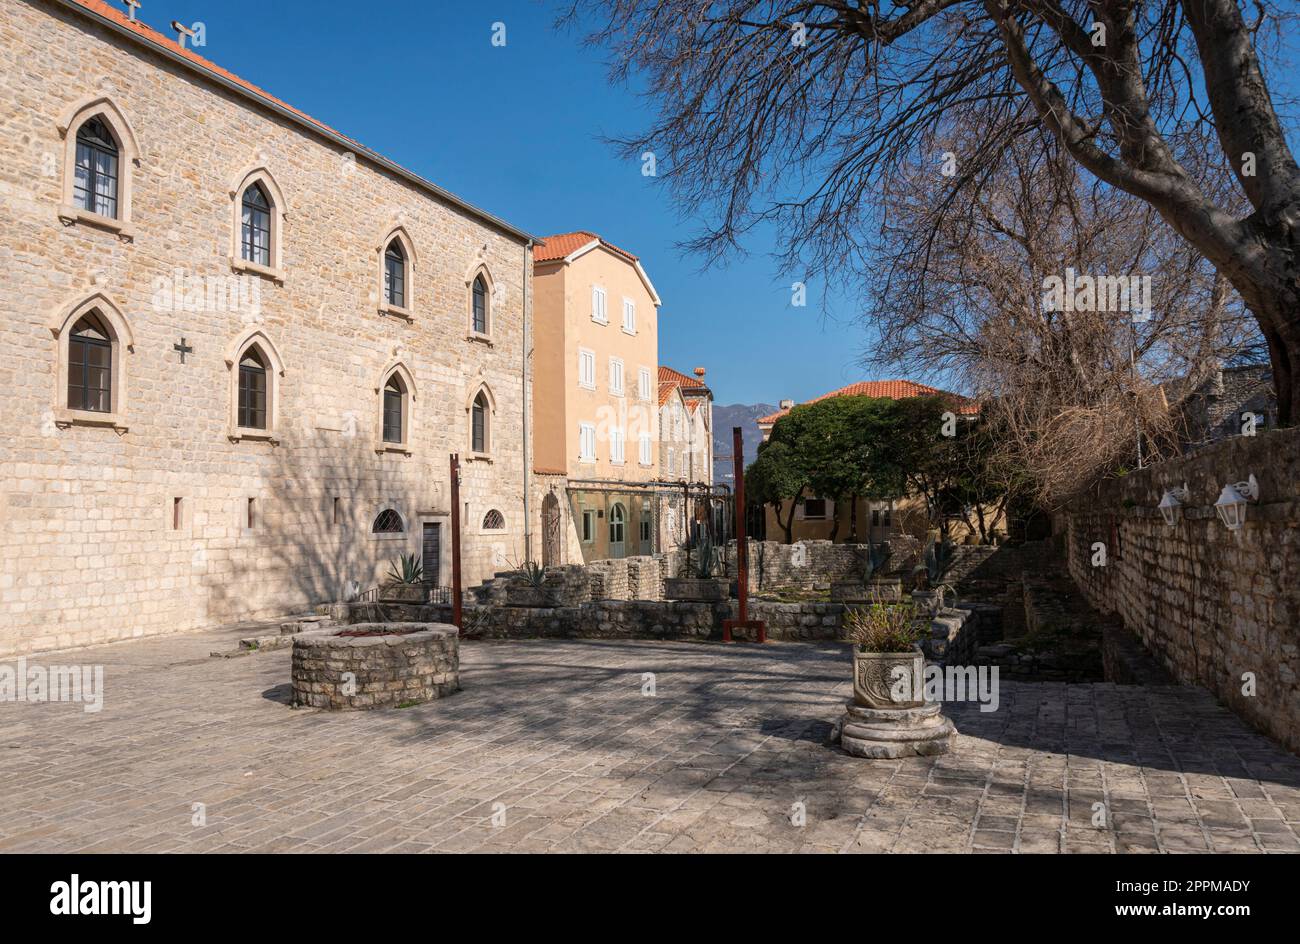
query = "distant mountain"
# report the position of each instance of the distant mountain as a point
(725, 418)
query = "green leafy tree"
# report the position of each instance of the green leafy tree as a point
(775, 478)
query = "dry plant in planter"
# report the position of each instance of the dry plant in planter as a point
(888, 664)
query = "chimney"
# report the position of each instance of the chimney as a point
(699, 372)
(182, 31)
(787, 404)
(131, 6)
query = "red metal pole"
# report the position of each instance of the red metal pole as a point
(455, 544)
(742, 550)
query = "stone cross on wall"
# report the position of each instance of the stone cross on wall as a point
(183, 348)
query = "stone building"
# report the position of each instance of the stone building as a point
(1233, 401)
(239, 347)
(685, 449)
(595, 424)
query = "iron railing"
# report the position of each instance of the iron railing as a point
(432, 595)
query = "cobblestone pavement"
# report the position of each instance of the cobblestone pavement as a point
(561, 735)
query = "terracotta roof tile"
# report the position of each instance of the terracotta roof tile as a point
(669, 378)
(560, 245)
(888, 389)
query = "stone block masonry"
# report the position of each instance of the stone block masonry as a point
(376, 665)
(952, 635)
(1214, 607)
(166, 523)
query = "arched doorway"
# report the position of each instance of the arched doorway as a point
(551, 556)
(617, 530)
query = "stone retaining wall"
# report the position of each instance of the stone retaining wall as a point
(953, 635)
(1214, 607)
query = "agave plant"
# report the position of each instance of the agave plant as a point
(938, 555)
(706, 555)
(873, 559)
(411, 570)
(534, 574)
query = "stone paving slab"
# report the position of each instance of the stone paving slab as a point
(552, 746)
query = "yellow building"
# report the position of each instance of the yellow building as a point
(595, 399)
(814, 518)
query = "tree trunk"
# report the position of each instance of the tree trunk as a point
(1278, 314)
(835, 520)
(788, 524)
(853, 520)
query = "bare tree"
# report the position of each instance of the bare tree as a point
(956, 290)
(803, 113)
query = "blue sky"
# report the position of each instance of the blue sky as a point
(516, 130)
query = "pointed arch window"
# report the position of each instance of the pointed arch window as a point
(95, 180)
(480, 305)
(395, 275)
(94, 340)
(394, 410)
(479, 424)
(99, 154)
(253, 398)
(90, 366)
(255, 231)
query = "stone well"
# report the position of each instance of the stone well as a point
(374, 665)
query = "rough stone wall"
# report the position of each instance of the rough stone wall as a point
(804, 565)
(953, 635)
(1211, 605)
(334, 672)
(88, 553)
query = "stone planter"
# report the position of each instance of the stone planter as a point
(875, 725)
(879, 733)
(529, 596)
(408, 664)
(876, 675)
(880, 589)
(402, 593)
(698, 589)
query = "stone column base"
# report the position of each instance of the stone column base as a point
(895, 732)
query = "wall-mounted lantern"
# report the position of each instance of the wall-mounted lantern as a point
(1173, 499)
(1231, 505)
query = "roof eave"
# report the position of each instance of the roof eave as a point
(326, 133)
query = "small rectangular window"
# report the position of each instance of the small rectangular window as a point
(598, 311)
(587, 442)
(178, 513)
(645, 449)
(643, 383)
(337, 516)
(616, 376)
(645, 529)
(250, 518)
(814, 508)
(616, 448)
(588, 527)
(587, 369)
(629, 316)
